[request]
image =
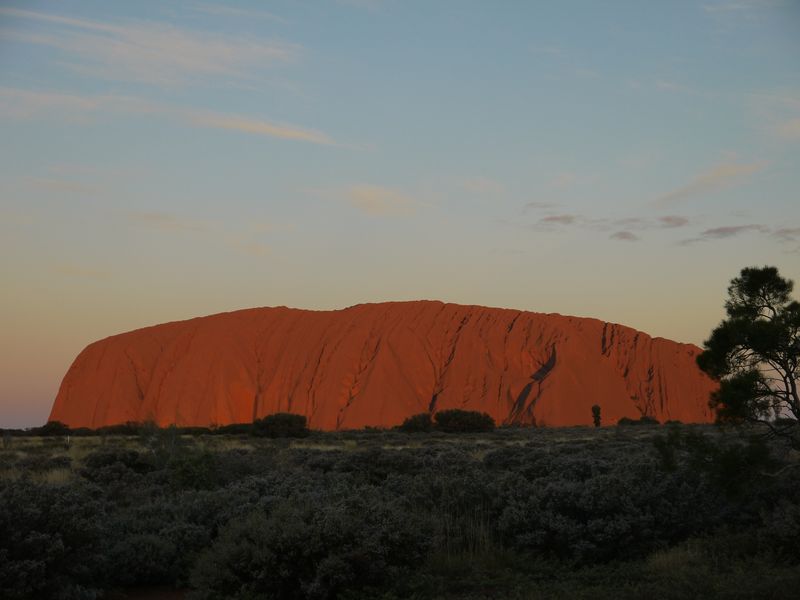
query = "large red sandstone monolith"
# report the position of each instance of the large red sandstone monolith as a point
(376, 364)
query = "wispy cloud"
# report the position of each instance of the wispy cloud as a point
(712, 180)
(380, 201)
(672, 221)
(622, 229)
(624, 236)
(725, 232)
(25, 104)
(146, 51)
(559, 220)
(257, 127)
(788, 234)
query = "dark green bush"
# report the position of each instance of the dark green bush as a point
(643, 420)
(234, 429)
(281, 425)
(463, 421)
(52, 428)
(417, 423)
(311, 549)
(51, 541)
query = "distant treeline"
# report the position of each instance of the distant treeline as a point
(292, 425)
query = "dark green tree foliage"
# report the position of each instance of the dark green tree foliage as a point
(596, 415)
(52, 428)
(281, 425)
(417, 423)
(51, 541)
(643, 420)
(463, 421)
(311, 549)
(755, 352)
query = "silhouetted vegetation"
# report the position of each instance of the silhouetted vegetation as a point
(463, 421)
(280, 425)
(643, 420)
(673, 512)
(417, 423)
(755, 354)
(596, 415)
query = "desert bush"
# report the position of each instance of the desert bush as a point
(51, 428)
(281, 425)
(51, 541)
(417, 423)
(463, 421)
(307, 549)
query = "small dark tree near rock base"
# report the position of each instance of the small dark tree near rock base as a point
(281, 425)
(596, 415)
(417, 423)
(755, 354)
(52, 428)
(463, 421)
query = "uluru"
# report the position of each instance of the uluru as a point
(376, 364)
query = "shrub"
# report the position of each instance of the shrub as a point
(281, 425)
(417, 423)
(313, 549)
(463, 421)
(52, 428)
(51, 541)
(234, 429)
(596, 415)
(643, 420)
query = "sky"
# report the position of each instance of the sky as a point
(165, 160)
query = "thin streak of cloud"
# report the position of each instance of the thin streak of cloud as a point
(149, 52)
(719, 177)
(257, 127)
(725, 232)
(788, 234)
(559, 220)
(672, 221)
(624, 236)
(19, 104)
(380, 201)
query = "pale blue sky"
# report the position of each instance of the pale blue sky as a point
(620, 160)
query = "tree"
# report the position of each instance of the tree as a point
(596, 415)
(417, 423)
(456, 420)
(754, 354)
(281, 425)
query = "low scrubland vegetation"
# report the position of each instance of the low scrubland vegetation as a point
(277, 511)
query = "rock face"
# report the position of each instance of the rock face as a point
(376, 364)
